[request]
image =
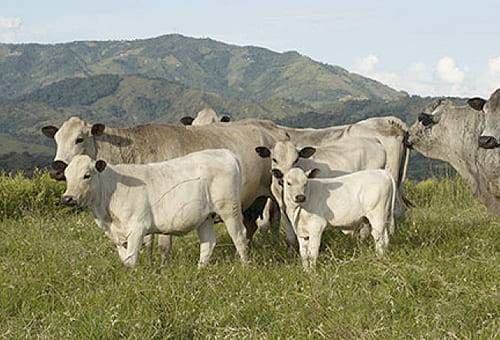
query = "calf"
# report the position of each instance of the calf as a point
(173, 197)
(345, 156)
(343, 202)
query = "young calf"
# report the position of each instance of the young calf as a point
(313, 204)
(173, 197)
(341, 158)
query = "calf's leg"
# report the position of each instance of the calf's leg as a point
(379, 233)
(134, 243)
(165, 247)
(236, 231)
(208, 240)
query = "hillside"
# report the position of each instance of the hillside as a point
(249, 73)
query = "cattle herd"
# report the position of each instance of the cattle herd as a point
(172, 179)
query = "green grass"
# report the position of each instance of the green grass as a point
(61, 278)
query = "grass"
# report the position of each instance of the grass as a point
(61, 278)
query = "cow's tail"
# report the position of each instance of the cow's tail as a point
(403, 172)
(393, 204)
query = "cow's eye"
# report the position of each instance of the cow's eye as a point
(86, 176)
(295, 161)
(274, 160)
(79, 140)
(288, 183)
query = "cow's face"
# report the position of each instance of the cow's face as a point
(295, 185)
(490, 136)
(430, 134)
(284, 156)
(75, 137)
(81, 180)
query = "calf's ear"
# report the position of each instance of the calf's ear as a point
(277, 173)
(476, 103)
(49, 131)
(97, 129)
(313, 173)
(307, 152)
(100, 165)
(225, 119)
(187, 120)
(263, 151)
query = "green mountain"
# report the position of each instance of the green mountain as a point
(242, 73)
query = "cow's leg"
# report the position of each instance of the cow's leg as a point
(165, 247)
(148, 244)
(314, 244)
(208, 239)
(379, 233)
(134, 243)
(304, 252)
(236, 231)
(291, 237)
(251, 215)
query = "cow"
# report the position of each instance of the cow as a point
(158, 142)
(312, 204)
(450, 133)
(490, 135)
(345, 156)
(205, 117)
(173, 197)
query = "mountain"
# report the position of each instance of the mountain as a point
(241, 73)
(124, 83)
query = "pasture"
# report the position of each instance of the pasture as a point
(60, 277)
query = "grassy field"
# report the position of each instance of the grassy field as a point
(61, 278)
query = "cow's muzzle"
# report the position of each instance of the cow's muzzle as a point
(57, 170)
(425, 119)
(488, 142)
(69, 201)
(300, 199)
(407, 141)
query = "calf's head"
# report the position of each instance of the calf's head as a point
(490, 136)
(284, 156)
(81, 180)
(74, 137)
(295, 185)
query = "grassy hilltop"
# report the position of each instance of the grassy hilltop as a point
(61, 278)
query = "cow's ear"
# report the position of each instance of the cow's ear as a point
(187, 120)
(313, 173)
(97, 129)
(263, 151)
(49, 131)
(277, 173)
(225, 119)
(476, 103)
(307, 152)
(100, 165)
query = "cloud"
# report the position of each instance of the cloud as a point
(367, 64)
(9, 28)
(448, 71)
(494, 65)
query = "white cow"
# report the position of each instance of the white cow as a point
(172, 197)
(346, 201)
(205, 117)
(345, 156)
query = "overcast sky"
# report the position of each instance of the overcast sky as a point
(439, 47)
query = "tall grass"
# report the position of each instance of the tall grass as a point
(61, 278)
(20, 195)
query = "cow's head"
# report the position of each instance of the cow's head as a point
(81, 180)
(490, 136)
(444, 129)
(205, 117)
(284, 156)
(295, 185)
(74, 137)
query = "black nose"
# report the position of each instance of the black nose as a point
(407, 141)
(487, 142)
(68, 200)
(57, 175)
(425, 119)
(300, 199)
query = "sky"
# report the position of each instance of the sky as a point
(436, 48)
